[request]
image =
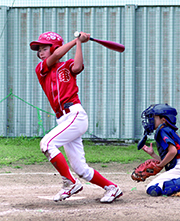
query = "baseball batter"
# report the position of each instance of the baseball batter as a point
(162, 119)
(58, 81)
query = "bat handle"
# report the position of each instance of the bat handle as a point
(91, 39)
(77, 35)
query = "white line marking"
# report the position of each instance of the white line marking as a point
(41, 210)
(75, 198)
(46, 197)
(42, 173)
(71, 198)
(8, 211)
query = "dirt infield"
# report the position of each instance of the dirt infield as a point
(26, 194)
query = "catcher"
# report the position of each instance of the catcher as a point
(162, 119)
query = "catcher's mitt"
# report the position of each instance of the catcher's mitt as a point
(145, 170)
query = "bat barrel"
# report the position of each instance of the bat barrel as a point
(108, 44)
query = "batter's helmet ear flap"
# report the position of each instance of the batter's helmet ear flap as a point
(52, 49)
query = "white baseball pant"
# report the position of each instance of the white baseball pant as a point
(68, 133)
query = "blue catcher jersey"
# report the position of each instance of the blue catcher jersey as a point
(164, 136)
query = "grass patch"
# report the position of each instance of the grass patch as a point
(22, 150)
(110, 153)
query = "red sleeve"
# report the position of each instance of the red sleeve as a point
(42, 68)
(71, 63)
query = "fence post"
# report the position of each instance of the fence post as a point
(3, 69)
(129, 93)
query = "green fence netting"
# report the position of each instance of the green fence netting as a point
(40, 121)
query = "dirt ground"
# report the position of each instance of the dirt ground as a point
(27, 193)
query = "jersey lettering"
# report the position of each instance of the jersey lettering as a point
(64, 75)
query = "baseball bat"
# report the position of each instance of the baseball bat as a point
(108, 44)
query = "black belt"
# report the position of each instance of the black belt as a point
(66, 109)
(68, 105)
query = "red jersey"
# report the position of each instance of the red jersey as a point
(59, 84)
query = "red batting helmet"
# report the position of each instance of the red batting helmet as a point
(47, 38)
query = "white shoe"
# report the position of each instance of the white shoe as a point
(68, 190)
(112, 192)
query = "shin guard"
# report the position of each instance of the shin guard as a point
(154, 190)
(171, 186)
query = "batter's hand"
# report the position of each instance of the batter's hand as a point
(84, 37)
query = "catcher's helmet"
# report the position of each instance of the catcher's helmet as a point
(47, 38)
(162, 110)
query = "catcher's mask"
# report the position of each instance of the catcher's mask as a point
(48, 38)
(162, 110)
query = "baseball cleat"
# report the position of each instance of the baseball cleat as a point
(68, 190)
(112, 193)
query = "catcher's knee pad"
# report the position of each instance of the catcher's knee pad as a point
(171, 186)
(154, 190)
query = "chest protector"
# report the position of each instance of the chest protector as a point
(164, 136)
